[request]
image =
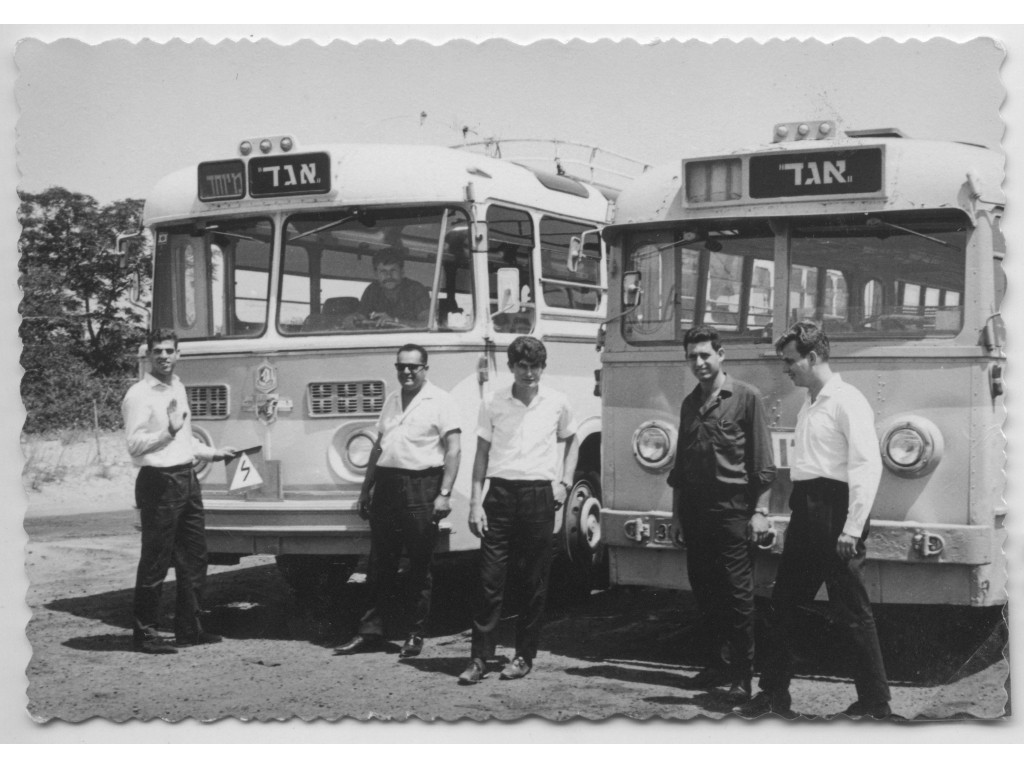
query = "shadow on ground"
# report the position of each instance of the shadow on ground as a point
(630, 634)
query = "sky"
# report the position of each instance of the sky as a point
(109, 119)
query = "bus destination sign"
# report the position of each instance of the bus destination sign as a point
(221, 180)
(278, 176)
(808, 174)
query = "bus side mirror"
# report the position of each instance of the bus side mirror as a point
(508, 290)
(575, 253)
(631, 290)
(121, 243)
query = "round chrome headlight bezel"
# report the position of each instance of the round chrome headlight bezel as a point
(654, 445)
(202, 466)
(911, 446)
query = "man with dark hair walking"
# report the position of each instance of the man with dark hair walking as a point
(406, 492)
(836, 467)
(517, 449)
(158, 430)
(723, 465)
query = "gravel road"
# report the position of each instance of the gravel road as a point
(621, 652)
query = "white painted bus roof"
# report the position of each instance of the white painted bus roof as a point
(382, 174)
(919, 174)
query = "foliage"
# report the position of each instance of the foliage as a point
(79, 332)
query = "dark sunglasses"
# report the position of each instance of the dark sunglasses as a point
(411, 367)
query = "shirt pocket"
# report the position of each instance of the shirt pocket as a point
(730, 443)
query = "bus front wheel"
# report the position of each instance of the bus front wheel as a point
(582, 548)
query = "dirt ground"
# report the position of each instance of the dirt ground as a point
(621, 652)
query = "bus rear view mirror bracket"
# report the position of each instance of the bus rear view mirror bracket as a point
(631, 290)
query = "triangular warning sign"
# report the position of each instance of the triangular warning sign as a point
(244, 470)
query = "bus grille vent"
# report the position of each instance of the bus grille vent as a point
(346, 398)
(208, 401)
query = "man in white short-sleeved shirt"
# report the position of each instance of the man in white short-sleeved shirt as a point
(406, 492)
(526, 447)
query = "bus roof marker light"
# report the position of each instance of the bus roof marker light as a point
(803, 129)
(245, 148)
(825, 129)
(265, 146)
(287, 144)
(781, 131)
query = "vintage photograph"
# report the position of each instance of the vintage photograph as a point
(657, 377)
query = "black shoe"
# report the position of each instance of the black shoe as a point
(200, 638)
(739, 691)
(152, 644)
(764, 703)
(707, 678)
(358, 644)
(860, 709)
(472, 674)
(413, 646)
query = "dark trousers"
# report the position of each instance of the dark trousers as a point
(718, 563)
(173, 533)
(809, 558)
(401, 517)
(520, 524)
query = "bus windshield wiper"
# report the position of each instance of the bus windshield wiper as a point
(876, 222)
(322, 227)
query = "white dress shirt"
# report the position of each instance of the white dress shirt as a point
(413, 439)
(835, 438)
(524, 438)
(146, 426)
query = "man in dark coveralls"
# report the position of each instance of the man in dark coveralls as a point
(158, 430)
(836, 467)
(723, 465)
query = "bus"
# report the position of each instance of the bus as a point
(893, 245)
(260, 262)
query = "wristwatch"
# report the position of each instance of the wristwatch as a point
(445, 492)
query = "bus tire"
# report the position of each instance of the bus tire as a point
(584, 565)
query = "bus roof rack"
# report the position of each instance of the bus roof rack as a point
(608, 171)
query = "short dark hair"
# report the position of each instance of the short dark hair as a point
(389, 256)
(413, 348)
(700, 333)
(526, 349)
(157, 335)
(809, 337)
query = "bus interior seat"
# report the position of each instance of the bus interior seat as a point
(333, 312)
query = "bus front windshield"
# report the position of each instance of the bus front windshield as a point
(365, 269)
(895, 275)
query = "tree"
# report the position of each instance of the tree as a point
(74, 304)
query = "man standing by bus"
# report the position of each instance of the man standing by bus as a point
(158, 431)
(517, 449)
(836, 468)
(723, 465)
(411, 472)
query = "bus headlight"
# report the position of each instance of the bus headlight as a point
(357, 450)
(202, 467)
(911, 446)
(654, 445)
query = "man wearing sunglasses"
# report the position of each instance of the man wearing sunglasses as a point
(405, 493)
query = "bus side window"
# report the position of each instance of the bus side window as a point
(562, 287)
(510, 244)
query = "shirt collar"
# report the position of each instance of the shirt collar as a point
(830, 388)
(154, 382)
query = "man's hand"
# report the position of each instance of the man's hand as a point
(561, 493)
(477, 519)
(363, 505)
(225, 454)
(846, 547)
(760, 530)
(442, 507)
(175, 418)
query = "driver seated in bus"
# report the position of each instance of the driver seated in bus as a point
(392, 297)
